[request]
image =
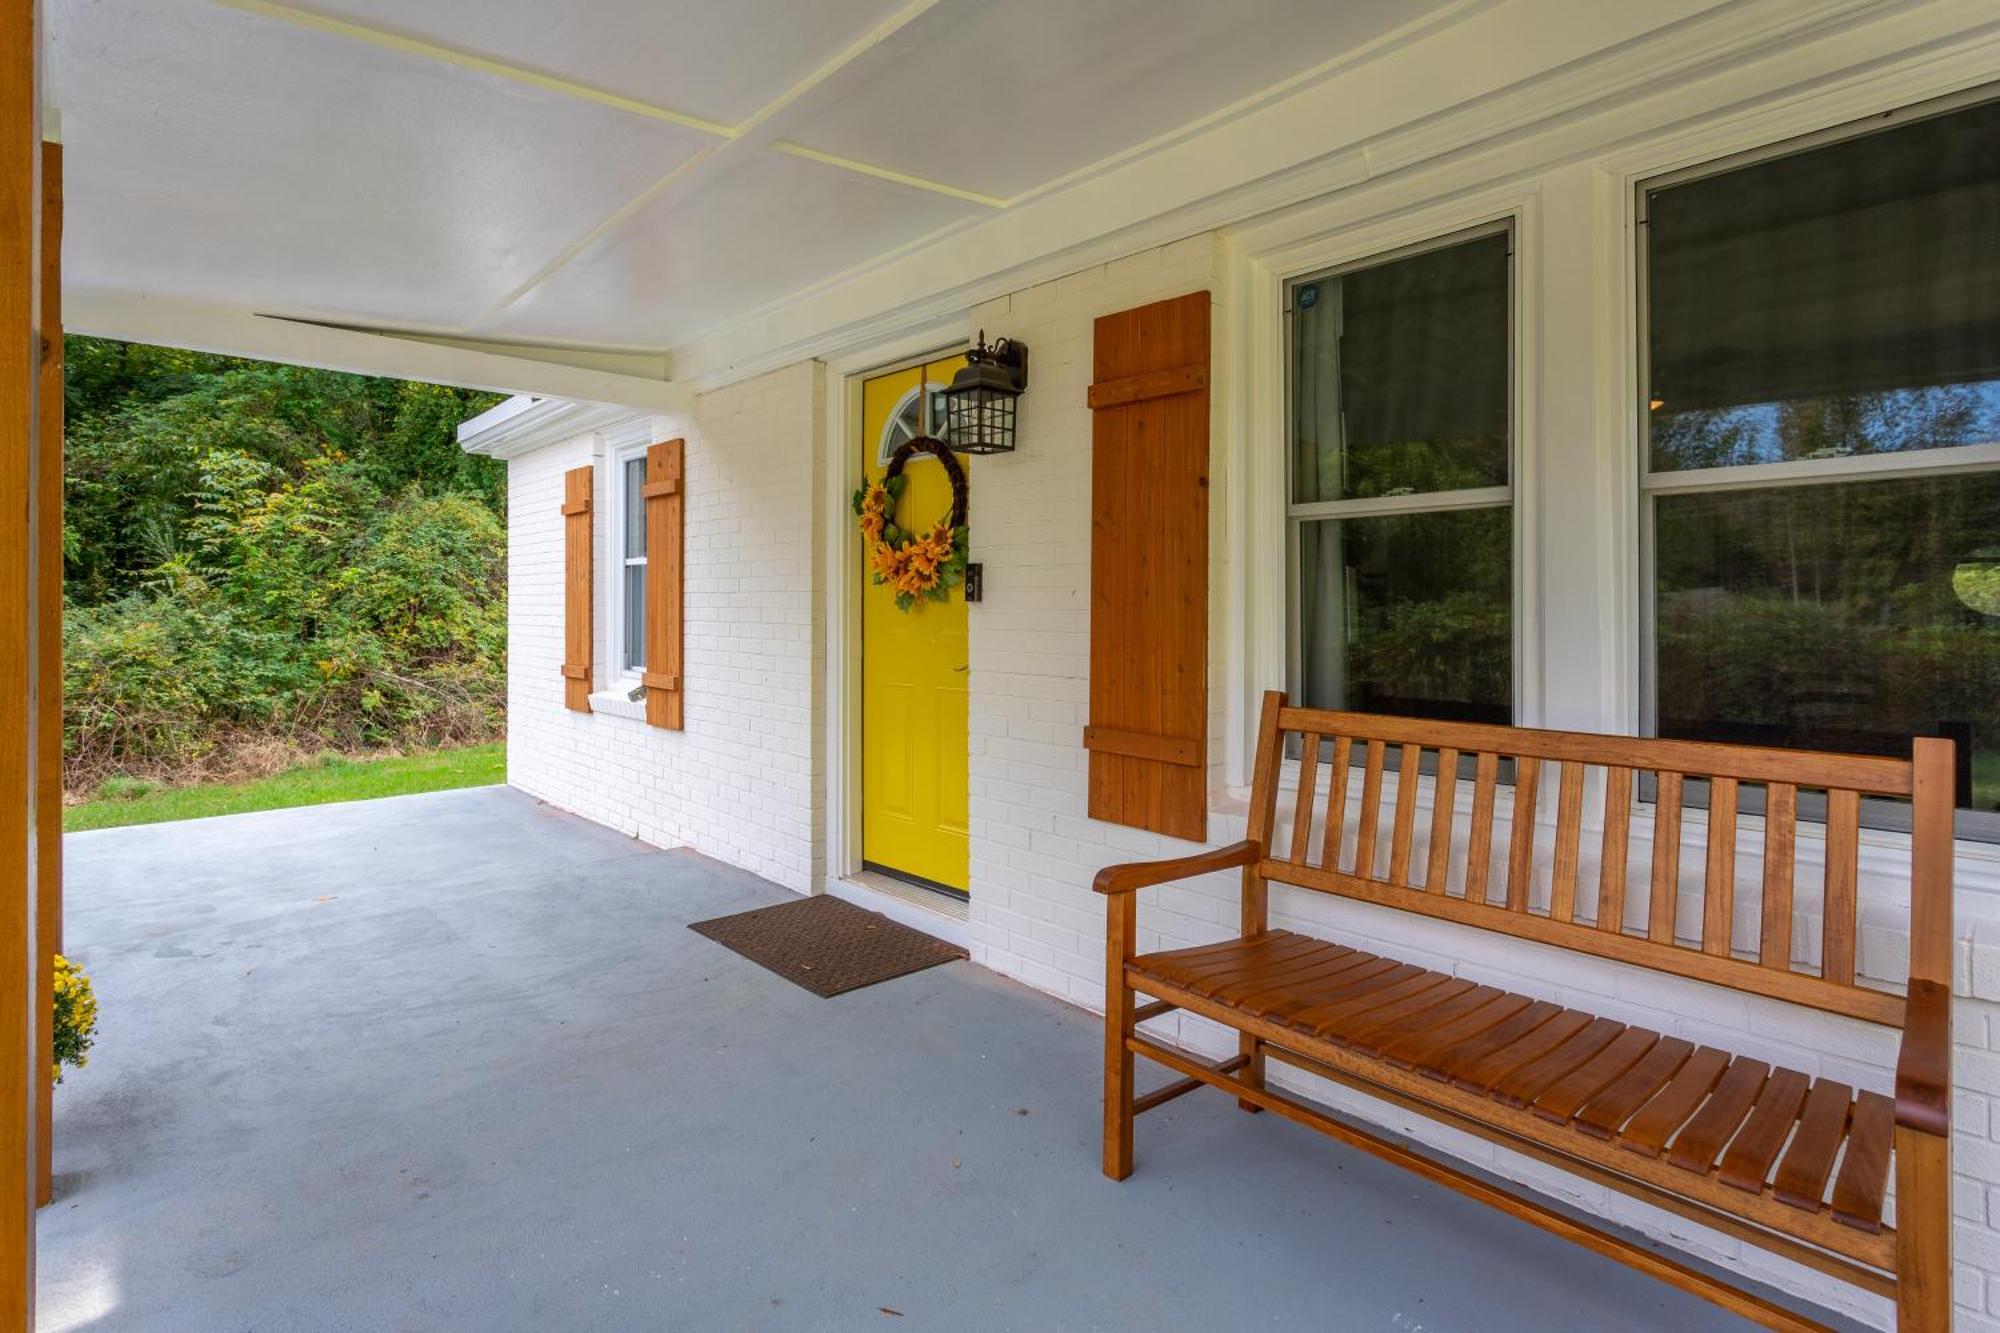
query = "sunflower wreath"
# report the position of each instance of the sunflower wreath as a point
(919, 566)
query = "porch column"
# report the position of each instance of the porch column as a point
(48, 665)
(20, 369)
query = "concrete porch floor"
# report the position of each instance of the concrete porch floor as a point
(455, 1062)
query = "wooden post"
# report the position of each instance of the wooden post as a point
(49, 668)
(1923, 1158)
(1121, 925)
(1256, 893)
(20, 219)
(1923, 1231)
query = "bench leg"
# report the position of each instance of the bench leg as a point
(1122, 912)
(1252, 1050)
(1923, 1232)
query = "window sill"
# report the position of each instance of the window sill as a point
(613, 703)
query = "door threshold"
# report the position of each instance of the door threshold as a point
(946, 918)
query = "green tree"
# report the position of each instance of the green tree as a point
(260, 553)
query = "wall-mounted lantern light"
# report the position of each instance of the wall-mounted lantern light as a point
(979, 405)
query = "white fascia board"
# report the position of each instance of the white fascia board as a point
(233, 331)
(525, 423)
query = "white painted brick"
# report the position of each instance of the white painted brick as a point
(743, 783)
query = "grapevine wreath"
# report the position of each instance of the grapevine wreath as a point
(919, 568)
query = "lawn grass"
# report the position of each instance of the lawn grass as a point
(323, 781)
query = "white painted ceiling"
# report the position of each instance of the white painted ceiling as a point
(611, 173)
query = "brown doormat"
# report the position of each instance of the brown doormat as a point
(827, 944)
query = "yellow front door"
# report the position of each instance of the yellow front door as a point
(913, 663)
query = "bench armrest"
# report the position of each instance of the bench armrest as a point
(1923, 1067)
(1143, 874)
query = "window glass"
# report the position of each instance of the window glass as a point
(1821, 310)
(1408, 614)
(635, 617)
(635, 507)
(1400, 391)
(1400, 376)
(1839, 301)
(1846, 616)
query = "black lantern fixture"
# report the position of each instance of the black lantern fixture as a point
(979, 405)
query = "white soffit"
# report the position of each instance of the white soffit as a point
(216, 155)
(1005, 97)
(719, 61)
(683, 264)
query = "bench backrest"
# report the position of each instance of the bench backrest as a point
(1629, 912)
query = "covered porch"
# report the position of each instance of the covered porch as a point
(1404, 269)
(455, 1062)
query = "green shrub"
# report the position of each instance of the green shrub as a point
(266, 557)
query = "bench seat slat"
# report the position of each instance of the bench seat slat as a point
(1803, 1173)
(1656, 1122)
(1695, 1147)
(1280, 968)
(1327, 989)
(1208, 977)
(1396, 975)
(1606, 1111)
(1417, 1049)
(1531, 1080)
(1331, 1020)
(1864, 1171)
(1447, 1001)
(1481, 1074)
(1563, 1098)
(1442, 1061)
(1748, 1160)
(1323, 970)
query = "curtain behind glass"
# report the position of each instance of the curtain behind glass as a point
(1841, 300)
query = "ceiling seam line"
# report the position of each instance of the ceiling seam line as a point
(595, 234)
(793, 148)
(417, 46)
(873, 38)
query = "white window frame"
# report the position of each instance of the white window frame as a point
(616, 562)
(1427, 502)
(1948, 461)
(1353, 227)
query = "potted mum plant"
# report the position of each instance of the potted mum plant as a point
(76, 1016)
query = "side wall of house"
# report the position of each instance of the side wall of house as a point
(743, 782)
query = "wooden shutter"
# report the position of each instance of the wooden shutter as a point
(666, 524)
(576, 588)
(1149, 569)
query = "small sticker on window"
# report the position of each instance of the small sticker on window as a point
(1308, 296)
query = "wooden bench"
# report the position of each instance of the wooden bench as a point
(1772, 1156)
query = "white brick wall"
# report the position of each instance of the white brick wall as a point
(1032, 847)
(1034, 852)
(744, 782)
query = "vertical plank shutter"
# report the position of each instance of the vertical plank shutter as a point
(576, 589)
(1149, 569)
(666, 524)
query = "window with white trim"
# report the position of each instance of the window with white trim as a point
(1399, 525)
(629, 559)
(1821, 406)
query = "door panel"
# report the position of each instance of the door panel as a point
(914, 717)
